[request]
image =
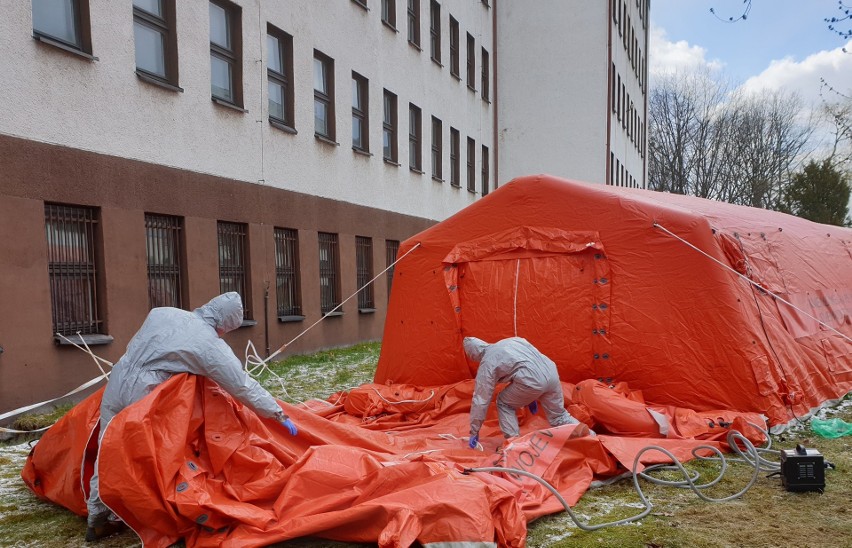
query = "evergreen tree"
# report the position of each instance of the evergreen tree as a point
(820, 193)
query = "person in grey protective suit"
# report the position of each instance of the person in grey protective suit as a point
(173, 341)
(531, 376)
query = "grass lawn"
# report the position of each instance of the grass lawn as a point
(766, 516)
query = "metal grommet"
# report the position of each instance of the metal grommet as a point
(201, 519)
(182, 486)
(604, 306)
(606, 356)
(192, 466)
(594, 307)
(597, 356)
(603, 331)
(604, 280)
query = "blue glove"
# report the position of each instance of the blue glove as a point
(533, 407)
(290, 426)
(474, 439)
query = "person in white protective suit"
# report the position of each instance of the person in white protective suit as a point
(173, 341)
(531, 376)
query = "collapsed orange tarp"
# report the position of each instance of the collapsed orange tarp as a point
(379, 464)
(596, 278)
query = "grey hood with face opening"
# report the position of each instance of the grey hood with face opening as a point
(223, 313)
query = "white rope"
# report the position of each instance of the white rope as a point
(515, 306)
(752, 282)
(257, 362)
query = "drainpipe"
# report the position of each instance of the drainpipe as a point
(496, 129)
(266, 316)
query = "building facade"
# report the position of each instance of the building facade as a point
(160, 152)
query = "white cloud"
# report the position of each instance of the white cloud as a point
(803, 77)
(669, 57)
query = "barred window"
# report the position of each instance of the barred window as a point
(72, 268)
(364, 268)
(329, 271)
(233, 261)
(391, 249)
(164, 247)
(287, 272)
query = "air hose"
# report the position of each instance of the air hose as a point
(751, 455)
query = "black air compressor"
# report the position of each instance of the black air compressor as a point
(802, 469)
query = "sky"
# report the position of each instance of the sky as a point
(782, 44)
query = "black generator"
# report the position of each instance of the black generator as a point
(802, 469)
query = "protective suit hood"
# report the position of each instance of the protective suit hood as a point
(474, 348)
(223, 313)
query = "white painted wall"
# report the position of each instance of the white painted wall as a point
(101, 106)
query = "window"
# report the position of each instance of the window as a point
(485, 170)
(471, 164)
(287, 290)
(64, 23)
(329, 271)
(389, 124)
(72, 268)
(454, 157)
(226, 67)
(364, 272)
(414, 22)
(360, 113)
(233, 261)
(471, 62)
(454, 47)
(391, 249)
(414, 138)
(165, 249)
(486, 75)
(435, 31)
(437, 149)
(389, 13)
(156, 40)
(323, 96)
(279, 75)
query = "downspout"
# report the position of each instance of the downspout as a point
(495, 129)
(647, 92)
(608, 153)
(266, 317)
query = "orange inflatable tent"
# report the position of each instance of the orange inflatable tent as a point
(631, 285)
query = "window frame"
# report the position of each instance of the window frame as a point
(165, 26)
(390, 127)
(415, 138)
(486, 76)
(391, 252)
(169, 228)
(233, 56)
(329, 298)
(455, 55)
(413, 27)
(435, 31)
(364, 274)
(361, 113)
(437, 149)
(288, 304)
(326, 98)
(282, 79)
(227, 234)
(471, 62)
(66, 241)
(471, 164)
(455, 161)
(486, 170)
(388, 15)
(82, 43)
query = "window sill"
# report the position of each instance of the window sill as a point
(391, 162)
(472, 190)
(361, 4)
(157, 82)
(487, 100)
(455, 185)
(415, 170)
(64, 47)
(437, 62)
(334, 314)
(282, 126)
(326, 140)
(390, 26)
(224, 103)
(437, 179)
(366, 311)
(248, 323)
(90, 340)
(415, 46)
(456, 76)
(471, 88)
(362, 152)
(291, 318)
